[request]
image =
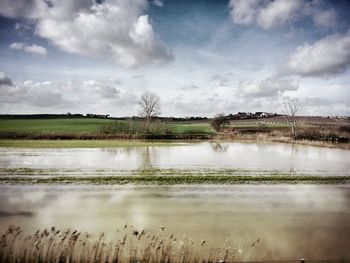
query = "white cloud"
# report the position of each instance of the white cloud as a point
(105, 89)
(98, 96)
(158, 3)
(315, 106)
(326, 18)
(140, 76)
(328, 56)
(190, 87)
(266, 88)
(117, 30)
(17, 46)
(220, 79)
(269, 14)
(40, 94)
(244, 11)
(110, 96)
(278, 13)
(200, 106)
(22, 8)
(34, 49)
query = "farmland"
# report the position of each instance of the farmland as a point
(83, 126)
(94, 126)
(149, 195)
(107, 132)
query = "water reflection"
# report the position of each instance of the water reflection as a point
(235, 155)
(146, 155)
(20, 213)
(220, 146)
(146, 159)
(292, 221)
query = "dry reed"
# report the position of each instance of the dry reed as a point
(130, 245)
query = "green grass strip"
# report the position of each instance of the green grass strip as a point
(172, 180)
(83, 143)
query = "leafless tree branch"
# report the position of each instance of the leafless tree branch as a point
(150, 107)
(291, 107)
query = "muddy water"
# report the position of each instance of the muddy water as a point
(268, 156)
(297, 221)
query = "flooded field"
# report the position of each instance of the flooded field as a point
(292, 222)
(227, 155)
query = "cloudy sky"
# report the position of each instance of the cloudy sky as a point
(201, 57)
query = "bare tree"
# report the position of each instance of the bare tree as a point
(291, 107)
(150, 107)
(219, 121)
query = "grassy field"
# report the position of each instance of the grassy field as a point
(78, 126)
(72, 126)
(83, 143)
(93, 125)
(63, 129)
(190, 128)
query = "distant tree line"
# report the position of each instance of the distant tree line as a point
(172, 119)
(89, 115)
(238, 116)
(51, 116)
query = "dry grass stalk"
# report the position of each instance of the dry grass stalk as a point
(129, 246)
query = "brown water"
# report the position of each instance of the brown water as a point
(293, 221)
(268, 156)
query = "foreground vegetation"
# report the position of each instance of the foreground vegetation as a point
(129, 245)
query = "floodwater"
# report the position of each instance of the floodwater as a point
(292, 221)
(234, 155)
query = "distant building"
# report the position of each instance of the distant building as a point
(249, 115)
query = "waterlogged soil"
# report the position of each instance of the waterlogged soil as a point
(290, 221)
(206, 155)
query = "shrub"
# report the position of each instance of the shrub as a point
(345, 129)
(135, 127)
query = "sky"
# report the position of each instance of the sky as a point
(202, 57)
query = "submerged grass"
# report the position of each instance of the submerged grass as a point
(170, 176)
(96, 143)
(129, 245)
(177, 179)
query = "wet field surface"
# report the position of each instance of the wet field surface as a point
(227, 155)
(291, 221)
